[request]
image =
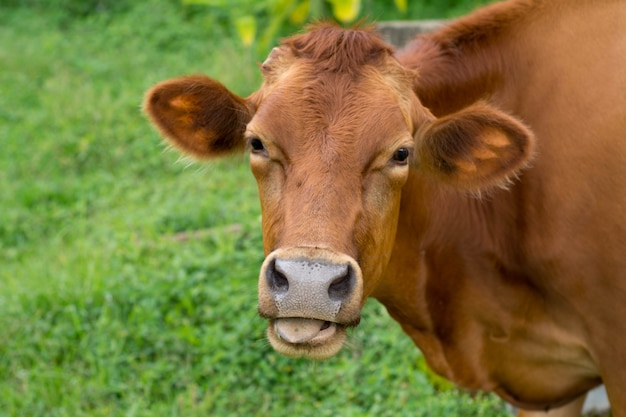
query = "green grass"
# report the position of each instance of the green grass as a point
(105, 308)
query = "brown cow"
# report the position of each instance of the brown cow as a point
(474, 183)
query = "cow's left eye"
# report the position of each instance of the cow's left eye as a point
(256, 145)
(401, 156)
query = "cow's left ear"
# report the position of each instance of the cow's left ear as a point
(199, 115)
(475, 148)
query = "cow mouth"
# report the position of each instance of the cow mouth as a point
(304, 337)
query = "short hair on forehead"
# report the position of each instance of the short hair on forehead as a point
(325, 60)
(334, 49)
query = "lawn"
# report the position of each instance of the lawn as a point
(128, 275)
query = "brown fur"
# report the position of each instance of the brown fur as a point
(333, 49)
(520, 291)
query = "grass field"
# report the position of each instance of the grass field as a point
(127, 276)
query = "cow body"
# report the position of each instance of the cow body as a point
(526, 273)
(474, 183)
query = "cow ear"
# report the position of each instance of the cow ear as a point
(199, 115)
(475, 148)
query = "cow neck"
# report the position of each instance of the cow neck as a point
(455, 224)
(467, 60)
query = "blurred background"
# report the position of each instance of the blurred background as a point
(127, 274)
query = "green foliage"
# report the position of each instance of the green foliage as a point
(261, 22)
(247, 16)
(128, 280)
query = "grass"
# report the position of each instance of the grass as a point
(110, 303)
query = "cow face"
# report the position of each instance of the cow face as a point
(333, 134)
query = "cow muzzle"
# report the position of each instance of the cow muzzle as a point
(310, 297)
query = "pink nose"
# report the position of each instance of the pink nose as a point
(310, 283)
(301, 285)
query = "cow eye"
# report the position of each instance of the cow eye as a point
(401, 156)
(256, 145)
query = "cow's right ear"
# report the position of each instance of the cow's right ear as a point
(199, 115)
(476, 148)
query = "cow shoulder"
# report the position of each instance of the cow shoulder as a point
(465, 60)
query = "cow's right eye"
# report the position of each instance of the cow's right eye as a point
(256, 145)
(401, 156)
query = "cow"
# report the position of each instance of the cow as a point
(473, 182)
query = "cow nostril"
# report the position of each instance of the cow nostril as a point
(277, 281)
(340, 288)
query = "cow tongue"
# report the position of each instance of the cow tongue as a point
(300, 330)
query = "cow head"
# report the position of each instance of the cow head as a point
(333, 133)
